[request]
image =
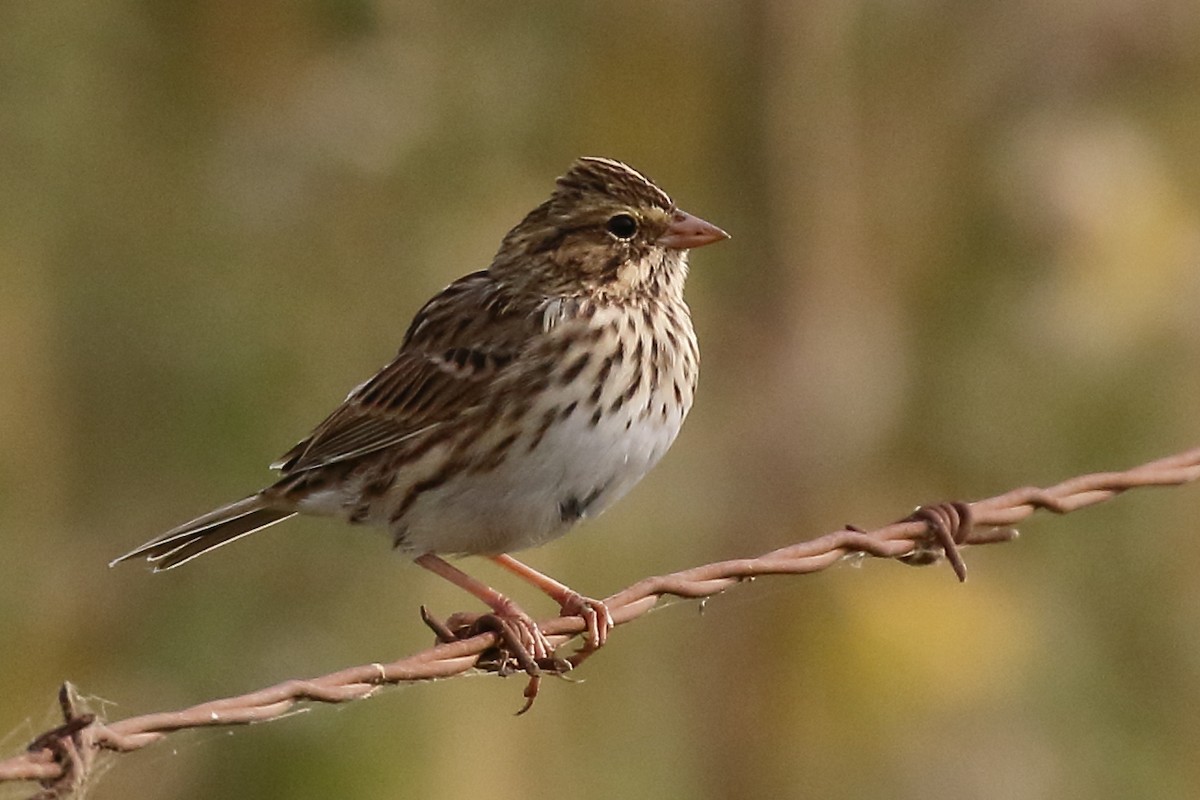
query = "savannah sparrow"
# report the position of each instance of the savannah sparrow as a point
(524, 398)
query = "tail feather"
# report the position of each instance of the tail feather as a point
(212, 530)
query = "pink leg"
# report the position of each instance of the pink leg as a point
(594, 612)
(531, 637)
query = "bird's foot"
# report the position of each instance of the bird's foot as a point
(521, 647)
(595, 615)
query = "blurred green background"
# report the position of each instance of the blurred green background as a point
(966, 257)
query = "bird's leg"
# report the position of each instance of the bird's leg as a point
(594, 613)
(526, 630)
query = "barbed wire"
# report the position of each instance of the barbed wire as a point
(62, 758)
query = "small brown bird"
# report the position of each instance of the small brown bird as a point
(524, 398)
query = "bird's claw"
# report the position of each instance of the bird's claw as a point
(522, 646)
(595, 615)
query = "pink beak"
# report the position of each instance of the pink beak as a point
(687, 231)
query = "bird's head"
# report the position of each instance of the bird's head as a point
(605, 230)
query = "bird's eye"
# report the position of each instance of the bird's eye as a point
(622, 226)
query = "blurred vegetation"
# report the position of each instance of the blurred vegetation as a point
(965, 258)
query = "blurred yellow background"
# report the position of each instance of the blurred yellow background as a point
(965, 258)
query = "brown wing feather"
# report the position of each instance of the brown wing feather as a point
(443, 369)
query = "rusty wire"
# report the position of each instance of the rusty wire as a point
(61, 758)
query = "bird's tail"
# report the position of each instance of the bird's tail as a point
(214, 529)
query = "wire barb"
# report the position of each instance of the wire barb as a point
(949, 525)
(65, 749)
(60, 759)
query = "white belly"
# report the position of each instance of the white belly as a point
(576, 471)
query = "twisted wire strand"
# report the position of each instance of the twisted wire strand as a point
(60, 759)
